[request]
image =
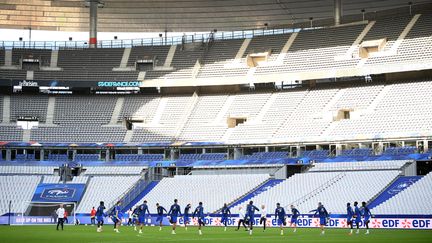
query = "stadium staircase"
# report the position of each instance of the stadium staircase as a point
(286, 48)
(6, 109)
(265, 186)
(84, 192)
(137, 192)
(318, 190)
(394, 188)
(404, 33)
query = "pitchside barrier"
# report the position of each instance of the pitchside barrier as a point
(305, 221)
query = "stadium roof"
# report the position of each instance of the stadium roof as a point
(179, 15)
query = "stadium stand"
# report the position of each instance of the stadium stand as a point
(88, 64)
(35, 170)
(43, 55)
(113, 170)
(195, 188)
(28, 106)
(158, 53)
(19, 198)
(350, 166)
(2, 56)
(412, 201)
(105, 188)
(139, 157)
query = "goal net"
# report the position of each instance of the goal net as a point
(44, 213)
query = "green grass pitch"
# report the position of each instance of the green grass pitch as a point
(84, 234)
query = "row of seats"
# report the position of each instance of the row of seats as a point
(113, 170)
(34, 170)
(205, 156)
(368, 165)
(139, 157)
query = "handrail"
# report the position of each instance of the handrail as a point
(160, 41)
(324, 185)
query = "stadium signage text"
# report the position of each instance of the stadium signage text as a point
(119, 84)
(303, 222)
(26, 83)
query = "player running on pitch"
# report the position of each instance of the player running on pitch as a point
(357, 216)
(160, 210)
(100, 214)
(250, 215)
(323, 216)
(117, 217)
(135, 220)
(294, 216)
(280, 217)
(263, 218)
(226, 213)
(142, 210)
(366, 216)
(199, 212)
(174, 213)
(186, 215)
(350, 214)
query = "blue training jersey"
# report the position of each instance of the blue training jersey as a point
(174, 210)
(357, 212)
(186, 210)
(250, 210)
(366, 212)
(350, 212)
(160, 210)
(135, 211)
(280, 213)
(117, 211)
(142, 209)
(322, 212)
(295, 212)
(100, 211)
(199, 212)
(225, 211)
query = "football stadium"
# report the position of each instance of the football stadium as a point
(215, 120)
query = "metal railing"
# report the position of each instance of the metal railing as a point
(160, 41)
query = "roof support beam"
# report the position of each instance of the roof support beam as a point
(337, 12)
(93, 23)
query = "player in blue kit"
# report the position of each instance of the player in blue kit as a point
(117, 217)
(226, 213)
(199, 212)
(357, 216)
(350, 215)
(323, 216)
(174, 213)
(294, 216)
(160, 210)
(142, 210)
(135, 220)
(280, 217)
(366, 216)
(100, 214)
(186, 215)
(250, 215)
